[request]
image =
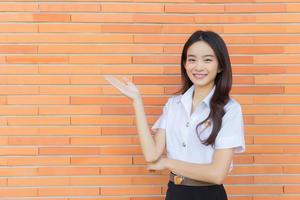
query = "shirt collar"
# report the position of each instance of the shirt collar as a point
(187, 98)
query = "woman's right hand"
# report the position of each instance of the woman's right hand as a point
(128, 89)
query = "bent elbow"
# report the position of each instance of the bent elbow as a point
(151, 158)
(218, 179)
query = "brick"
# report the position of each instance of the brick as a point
(188, 8)
(155, 18)
(154, 190)
(36, 59)
(224, 19)
(53, 17)
(101, 120)
(277, 80)
(38, 121)
(277, 119)
(254, 189)
(103, 181)
(277, 159)
(258, 7)
(35, 79)
(18, 151)
(69, 130)
(19, 110)
(19, 7)
(99, 49)
(38, 140)
(272, 129)
(18, 192)
(105, 28)
(68, 191)
(53, 90)
(69, 28)
(69, 151)
(70, 110)
(36, 160)
(37, 181)
(21, 90)
(277, 140)
(21, 28)
(17, 131)
(18, 49)
(19, 70)
(61, 7)
(272, 18)
(99, 59)
(66, 38)
(67, 171)
(102, 17)
(259, 169)
(17, 172)
(255, 29)
(101, 160)
(101, 140)
(111, 7)
(29, 100)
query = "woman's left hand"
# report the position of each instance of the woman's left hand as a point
(158, 165)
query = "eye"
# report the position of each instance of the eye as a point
(191, 60)
(207, 60)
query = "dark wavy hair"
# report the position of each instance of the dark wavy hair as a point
(223, 80)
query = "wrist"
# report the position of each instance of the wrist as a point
(138, 99)
(167, 163)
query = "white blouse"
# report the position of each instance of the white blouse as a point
(182, 142)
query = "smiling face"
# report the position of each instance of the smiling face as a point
(201, 65)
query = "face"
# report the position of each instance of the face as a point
(201, 64)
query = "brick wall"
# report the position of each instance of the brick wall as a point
(66, 134)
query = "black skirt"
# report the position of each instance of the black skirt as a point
(184, 192)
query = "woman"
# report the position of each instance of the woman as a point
(201, 128)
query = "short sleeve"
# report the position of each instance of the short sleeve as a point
(161, 122)
(231, 134)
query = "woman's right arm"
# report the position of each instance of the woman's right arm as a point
(152, 147)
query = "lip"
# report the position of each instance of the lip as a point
(199, 76)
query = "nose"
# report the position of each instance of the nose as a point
(199, 65)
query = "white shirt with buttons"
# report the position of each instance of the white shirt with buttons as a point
(182, 142)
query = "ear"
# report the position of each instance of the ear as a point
(219, 70)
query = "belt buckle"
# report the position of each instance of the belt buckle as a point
(178, 179)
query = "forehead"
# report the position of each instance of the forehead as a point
(200, 48)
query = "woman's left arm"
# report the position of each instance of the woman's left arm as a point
(214, 172)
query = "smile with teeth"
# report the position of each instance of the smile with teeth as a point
(199, 76)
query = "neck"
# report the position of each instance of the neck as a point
(201, 92)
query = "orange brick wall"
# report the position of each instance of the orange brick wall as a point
(68, 135)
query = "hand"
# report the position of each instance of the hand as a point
(128, 89)
(158, 165)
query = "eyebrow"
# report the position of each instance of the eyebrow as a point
(191, 55)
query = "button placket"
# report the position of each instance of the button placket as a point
(186, 132)
(187, 124)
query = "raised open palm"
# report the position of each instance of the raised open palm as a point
(127, 88)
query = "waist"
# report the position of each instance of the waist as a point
(181, 180)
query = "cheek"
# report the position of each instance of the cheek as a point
(190, 65)
(213, 67)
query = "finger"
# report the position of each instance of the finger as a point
(116, 83)
(127, 81)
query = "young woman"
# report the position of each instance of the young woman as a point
(201, 128)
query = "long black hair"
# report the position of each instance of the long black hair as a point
(223, 80)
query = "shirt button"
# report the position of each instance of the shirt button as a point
(183, 144)
(187, 124)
